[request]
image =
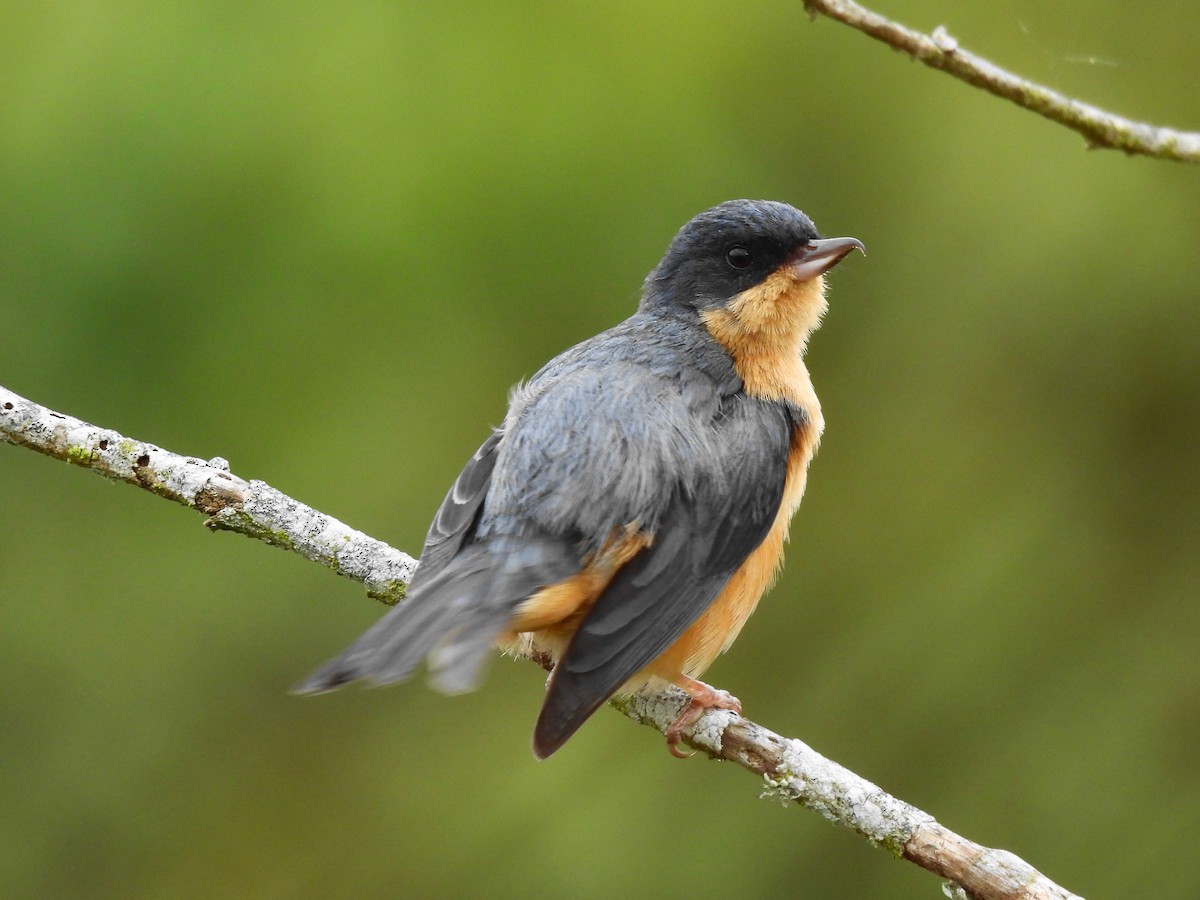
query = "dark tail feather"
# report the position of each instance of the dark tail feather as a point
(568, 705)
(454, 618)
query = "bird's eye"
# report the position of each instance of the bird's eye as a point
(739, 257)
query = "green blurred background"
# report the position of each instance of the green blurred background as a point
(322, 241)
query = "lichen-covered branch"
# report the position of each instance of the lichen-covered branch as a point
(941, 51)
(795, 773)
(230, 503)
(792, 771)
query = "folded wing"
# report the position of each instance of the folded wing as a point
(702, 539)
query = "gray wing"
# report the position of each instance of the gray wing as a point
(598, 440)
(456, 517)
(703, 538)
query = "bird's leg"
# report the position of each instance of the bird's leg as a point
(704, 698)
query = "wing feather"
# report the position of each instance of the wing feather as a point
(703, 538)
(456, 517)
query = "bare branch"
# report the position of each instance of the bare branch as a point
(940, 50)
(792, 771)
(231, 503)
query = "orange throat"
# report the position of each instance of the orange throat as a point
(765, 329)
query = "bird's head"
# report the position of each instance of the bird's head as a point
(755, 263)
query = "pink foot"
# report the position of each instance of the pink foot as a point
(704, 698)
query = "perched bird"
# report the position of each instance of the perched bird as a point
(632, 509)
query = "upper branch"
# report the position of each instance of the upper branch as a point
(941, 51)
(793, 772)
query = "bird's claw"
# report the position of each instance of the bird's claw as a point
(703, 699)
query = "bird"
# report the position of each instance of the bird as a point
(628, 514)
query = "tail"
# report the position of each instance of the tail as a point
(454, 618)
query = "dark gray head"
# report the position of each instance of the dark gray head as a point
(733, 247)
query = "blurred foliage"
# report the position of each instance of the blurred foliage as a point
(322, 241)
